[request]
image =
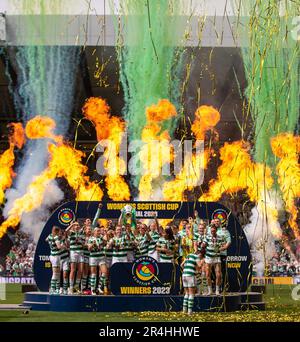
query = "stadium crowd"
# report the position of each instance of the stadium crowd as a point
(19, 260)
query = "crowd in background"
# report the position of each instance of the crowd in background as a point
(19, 260)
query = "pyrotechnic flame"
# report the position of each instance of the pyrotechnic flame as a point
(41, 127)
(238, 172)
(7, 158)
(109, 128)
(64, 161)
(156, 150)
(17, 137)
(206, 118)
(287, 148)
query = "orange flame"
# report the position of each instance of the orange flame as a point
(238, 172)
(65, 162)
(206, 118)
(109, 128)
(41, 127)
(287, 147)
(7, 158)
(156, 151)
(17, 137)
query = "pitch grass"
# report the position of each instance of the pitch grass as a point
(280, 308)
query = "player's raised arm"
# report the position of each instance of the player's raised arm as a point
(97, 215)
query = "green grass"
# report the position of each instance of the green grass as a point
(280, 308)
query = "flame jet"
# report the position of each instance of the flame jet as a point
(155, 151)
(286, 147)
(64, 161)
(206, 118)
(238, 172)
(7, 158)
(109, 129)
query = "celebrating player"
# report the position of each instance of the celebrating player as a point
(96, 246)
(54, 243)
(154, 237)
(165, 246)
(190, 265)
(64, 260)
(214, 243)
(119, 246)
(76, 241)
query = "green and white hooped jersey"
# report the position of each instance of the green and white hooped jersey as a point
(190, 265)
(120, 247)
(64, 253)
(77, 240)
(98, 249)
(108, 252)
(129, 241)
(86, 251)
(152, 244)
(213, 245)
(142, 245)
(168, 244)
(199, 239)
(54, 250)
(227, 239)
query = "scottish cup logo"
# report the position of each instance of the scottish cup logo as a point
(145, 271)
(220, 214)
(65, 216)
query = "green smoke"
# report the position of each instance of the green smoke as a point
(149, 59)
(272, 71)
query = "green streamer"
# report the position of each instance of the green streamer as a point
(150, 61)
(272, 70)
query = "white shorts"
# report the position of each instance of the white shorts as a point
(65, 265)
(97, 261)
(153, 255)
(76, 257)
(215, 260)
(189, 281)
(118, 259)
(55, 260)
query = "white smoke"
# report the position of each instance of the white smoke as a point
(263, 229)
(42, 91)
(33, 163)
(34, 221)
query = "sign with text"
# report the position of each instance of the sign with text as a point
(145, 276)
(238, 271)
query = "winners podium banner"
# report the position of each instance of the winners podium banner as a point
(145, 276)
(238, 268)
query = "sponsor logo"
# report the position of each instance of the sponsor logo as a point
(65, 216)
(17, 280)
(220, 214)
(145, 270)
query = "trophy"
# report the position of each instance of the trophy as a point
(128, 216)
